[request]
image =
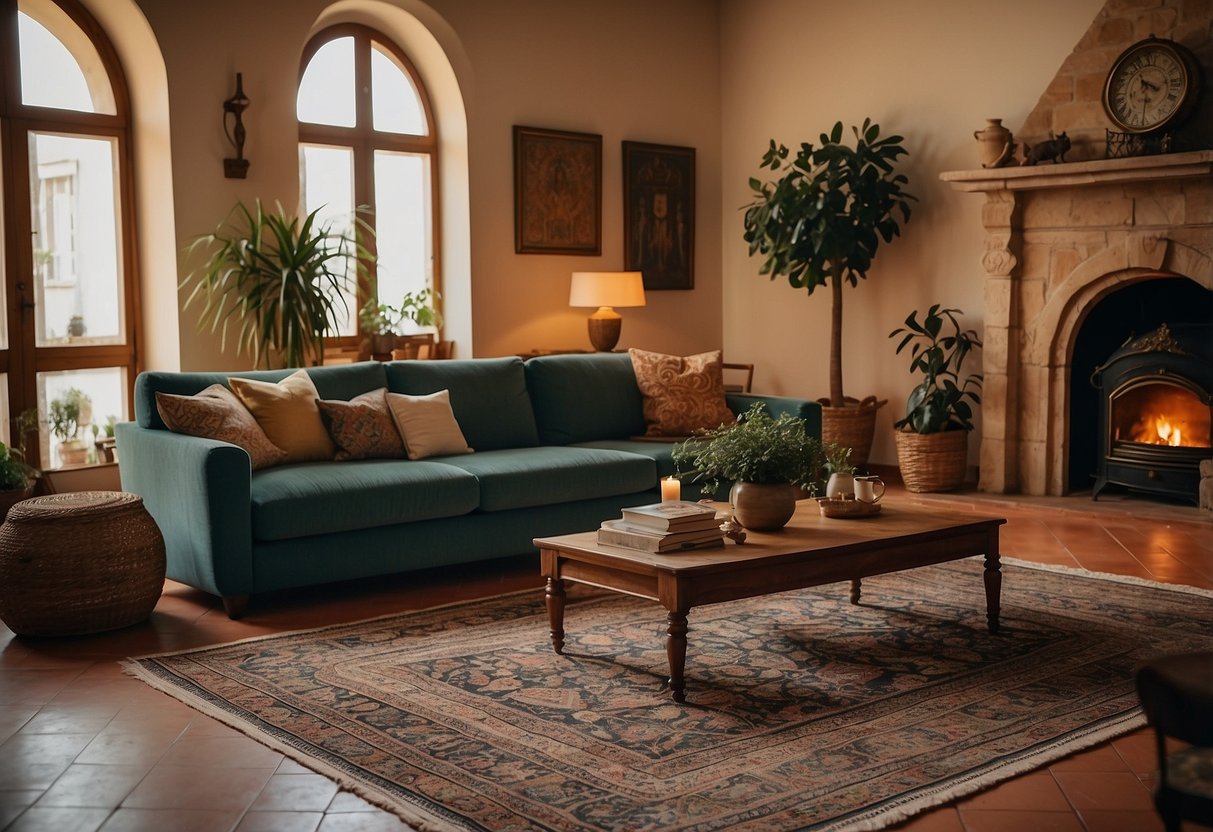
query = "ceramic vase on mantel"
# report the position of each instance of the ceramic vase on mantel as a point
(995, 143)
(760, 506)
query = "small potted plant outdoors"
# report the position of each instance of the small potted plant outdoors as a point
(819, 223)
(67, 414)
(765, 458)
(932, 438)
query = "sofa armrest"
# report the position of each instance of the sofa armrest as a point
(778, 406)
(199, 493)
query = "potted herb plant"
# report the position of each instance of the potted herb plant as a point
(66, 415)
(766, 458)
(932, 438)
(279, 281)
(821, 222)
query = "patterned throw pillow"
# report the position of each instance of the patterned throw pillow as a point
(362, 428)
(216, 413)
(427, 424)
(288, 414)
(681, 394)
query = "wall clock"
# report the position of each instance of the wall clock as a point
(1152, 85)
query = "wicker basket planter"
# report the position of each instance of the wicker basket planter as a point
(851, 426)
(81, 562)
(932, 461)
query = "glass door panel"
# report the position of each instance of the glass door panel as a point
(79, 405)
(404, 223)
(78, 284)
(60, 65)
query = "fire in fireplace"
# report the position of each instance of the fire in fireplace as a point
(1156, 408)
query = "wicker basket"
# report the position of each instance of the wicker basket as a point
(81, 562)
(932, 461)
(851, 426)
(9, 497)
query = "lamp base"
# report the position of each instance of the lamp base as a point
(605, 326)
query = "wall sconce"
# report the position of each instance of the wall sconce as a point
(604, 290)
(235, 106)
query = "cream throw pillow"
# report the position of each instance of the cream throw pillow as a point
(427, 424)
(288, 414)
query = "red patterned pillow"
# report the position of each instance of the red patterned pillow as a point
(216, 413)
(362, 428)
(681, 394)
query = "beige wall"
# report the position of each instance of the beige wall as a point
(932, 71)
(628, 70)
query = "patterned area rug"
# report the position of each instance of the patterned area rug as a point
(803, 711)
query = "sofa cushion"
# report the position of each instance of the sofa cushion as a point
(682, 395)
(427, 424)
(524, 477)
(488, 397)
(324, 497)
(341, 381)
(660, 452)
(288, 414)
(216, 413)
(362, 428)
(579, 398)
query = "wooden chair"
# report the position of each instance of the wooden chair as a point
(1176, 694)
(743, 377)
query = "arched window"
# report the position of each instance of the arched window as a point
(67, 343)
(367, 142)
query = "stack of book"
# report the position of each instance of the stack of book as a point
(664, 527)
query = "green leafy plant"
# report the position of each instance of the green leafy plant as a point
(938, 403)
(281, 280)
(66, 410)
(384, 319)
(758, 448)
(838, 459)
(13, 471)
(822, 220)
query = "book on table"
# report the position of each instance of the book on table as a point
(622, 533)
(677, 515)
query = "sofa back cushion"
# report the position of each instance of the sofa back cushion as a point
(580, 398)
(488, 397)
(341, 381)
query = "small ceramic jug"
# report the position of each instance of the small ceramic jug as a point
(994, 139)
(869, 489)
(841, 487)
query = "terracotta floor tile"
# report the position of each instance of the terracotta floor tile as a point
(59, 820)
(22, 776)
(1100, 758)
(233, 752)
(1104, 790)
(1138, 752)
(121, 748)
(945, 819)
(1019, 820)
(344, 802)
(1037, 790)
(280, 822)
(379, 822)
(93, 786)
(198, 787)
(171, 820)
(300, 792)
(1122, 821)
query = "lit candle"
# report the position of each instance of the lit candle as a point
(671, 490)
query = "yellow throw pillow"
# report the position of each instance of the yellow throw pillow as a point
(288, 414)
(681, 394)
(427, 424)
(216, 413)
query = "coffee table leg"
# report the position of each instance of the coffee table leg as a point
(993, 581)
(676, 652)
(555, 604)
(855, 586)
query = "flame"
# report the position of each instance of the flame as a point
(1159, 430)
(1159, 414)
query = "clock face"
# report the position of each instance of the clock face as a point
(1148, 87)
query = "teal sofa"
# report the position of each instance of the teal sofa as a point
(554, 454)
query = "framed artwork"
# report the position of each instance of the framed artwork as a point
(659, 214)
(557, 192)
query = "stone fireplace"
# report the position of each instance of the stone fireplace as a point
(1059, 239)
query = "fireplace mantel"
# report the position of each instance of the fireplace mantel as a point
(1058, 237)
(1077, 174)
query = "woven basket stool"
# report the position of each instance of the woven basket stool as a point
(81, 562)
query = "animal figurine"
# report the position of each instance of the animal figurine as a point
(1054, 148)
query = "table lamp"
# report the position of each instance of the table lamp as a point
(606, 290)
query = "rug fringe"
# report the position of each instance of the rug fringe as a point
(414, 816)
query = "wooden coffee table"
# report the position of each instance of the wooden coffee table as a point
(810, 551)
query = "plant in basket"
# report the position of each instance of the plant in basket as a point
(766, 458)
(932, 438)
(820, 222)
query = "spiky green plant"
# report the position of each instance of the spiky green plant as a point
(279, 279)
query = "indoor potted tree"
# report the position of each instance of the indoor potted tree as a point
(932, 438)
(820, 222)
(279, 280)
(765, 458)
